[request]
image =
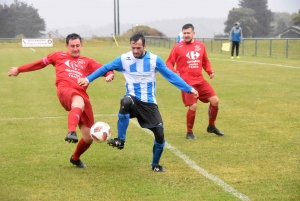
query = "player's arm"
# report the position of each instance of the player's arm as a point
(27, 67)
(114, 65)
(206, 64)
(173, 78)
(170, 63)
(94, 65)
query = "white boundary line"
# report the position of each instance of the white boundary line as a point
(173, 149)
(199, 169)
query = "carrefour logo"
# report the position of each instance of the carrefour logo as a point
(193, 55)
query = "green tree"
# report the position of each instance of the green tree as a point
(296, 19)
(19, 18)
(263, 15)
(6, 22)
(245, 17)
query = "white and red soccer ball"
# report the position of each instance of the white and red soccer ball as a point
(100, 132)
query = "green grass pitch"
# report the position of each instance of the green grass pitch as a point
(258, 157)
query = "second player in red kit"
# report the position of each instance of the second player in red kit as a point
(188, 58)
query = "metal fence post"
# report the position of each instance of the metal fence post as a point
(287, 48)
(221, 45)
(255, 47)
(270, 47)
(242, 47)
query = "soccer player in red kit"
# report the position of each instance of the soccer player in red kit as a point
(190, 57)
(70, 66)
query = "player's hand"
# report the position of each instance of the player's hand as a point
(193, 91)
(110, 77)
(212, 75)
(82, 82)
(13, 72)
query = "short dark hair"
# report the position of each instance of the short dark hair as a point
(137, 37)
(72, 36)
(187, 26)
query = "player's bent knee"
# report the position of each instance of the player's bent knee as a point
(125, 105)
(77, 101)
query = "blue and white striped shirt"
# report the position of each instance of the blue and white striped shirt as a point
(140, 75)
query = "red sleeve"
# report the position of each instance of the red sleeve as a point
(170, 63)
(32, 66)
(206, 63)
(49, 59)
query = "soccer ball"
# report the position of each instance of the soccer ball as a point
(100, 132)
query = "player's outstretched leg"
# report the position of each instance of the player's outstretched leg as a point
(157, 152)
(73, 120)
(81, 147)
(212, 113)
(123, 123)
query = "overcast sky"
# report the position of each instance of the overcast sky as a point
(60, 13)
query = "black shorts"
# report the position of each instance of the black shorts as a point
(147, 114)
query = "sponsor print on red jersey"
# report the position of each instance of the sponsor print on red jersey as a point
(190, 58)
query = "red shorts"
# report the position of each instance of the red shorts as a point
(205, 91)
(65, 95)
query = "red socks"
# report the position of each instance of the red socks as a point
(73, 118)
(212, 114)
(82, 146)
(190, 119)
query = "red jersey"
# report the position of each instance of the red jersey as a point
(190, 58)
(68, 69)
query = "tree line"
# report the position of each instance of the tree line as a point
(258, 21)
(20, 19)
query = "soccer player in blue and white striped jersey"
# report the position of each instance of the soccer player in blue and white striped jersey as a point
(139, 68)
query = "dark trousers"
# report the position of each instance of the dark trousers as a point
(235, 45)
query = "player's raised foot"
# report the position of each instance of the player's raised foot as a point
(71, 137)
(116, 142)
(191, 136)
(238, 57)
(213, 129)
(78, 163)
(158, 168)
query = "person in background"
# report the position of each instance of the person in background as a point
(179, 37)
(69, 66)
(235, 37)
(190, 57)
